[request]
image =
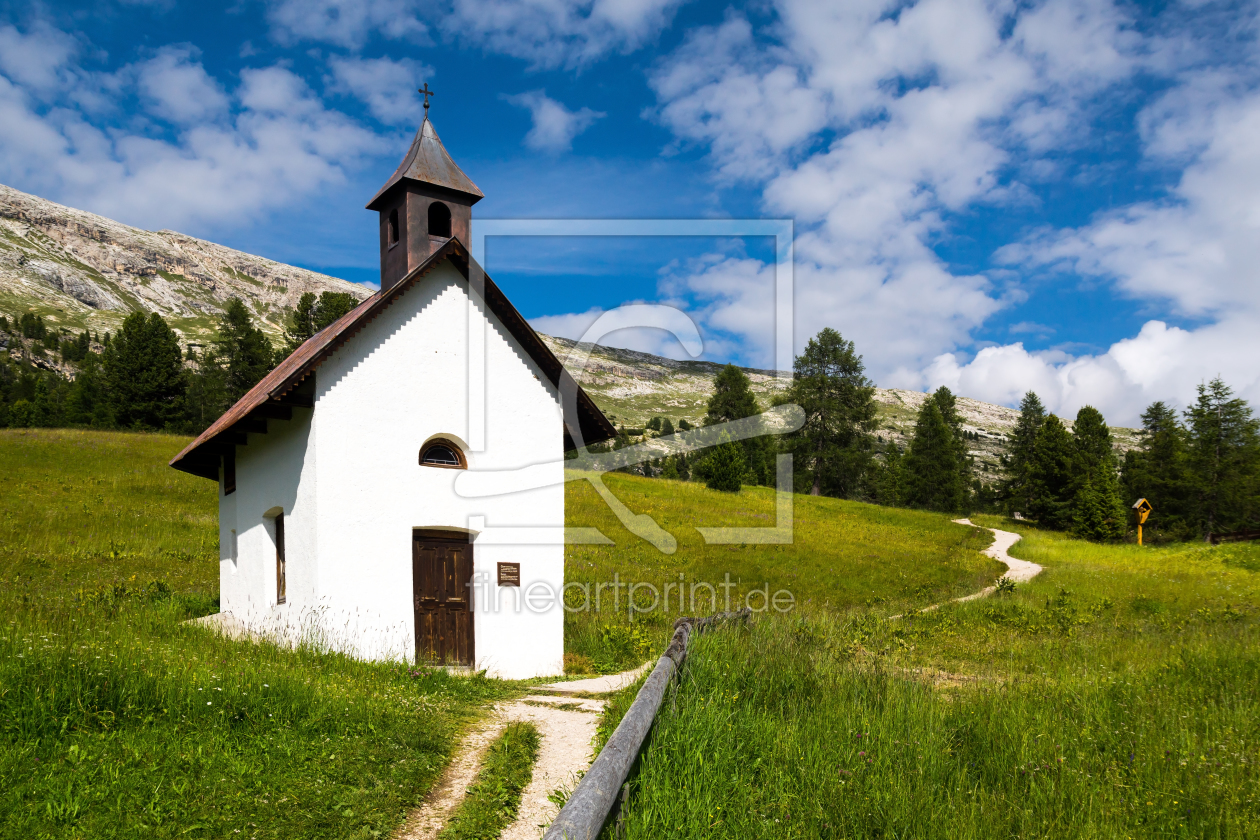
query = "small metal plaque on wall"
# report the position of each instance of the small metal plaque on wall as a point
(509, 574)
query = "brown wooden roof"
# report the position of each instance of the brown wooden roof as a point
(276, 395)
(428, 162)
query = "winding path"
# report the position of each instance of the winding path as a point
(1020, 571)
(566, 716)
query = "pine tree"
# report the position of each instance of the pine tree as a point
(949, 412)
(302, 322)
(1098, 511)
(890, 478)
(724, 467)
(1157, 471)
(733, 400)
(86, 403)
(1051, 475)
(933, 478)
(313, 314)
(834, 448)
(241, 350)
(144, 374)
(1092, 438)
(1224, 450)
(42, 413)
(667, 428)
(670, 469)
(1017, 488)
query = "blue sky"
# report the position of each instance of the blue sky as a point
(1060, 195)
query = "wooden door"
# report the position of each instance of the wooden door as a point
(441, 571)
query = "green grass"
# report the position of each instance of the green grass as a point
(845, 556)
(1116, 695)
(495, 795)
(118, 719)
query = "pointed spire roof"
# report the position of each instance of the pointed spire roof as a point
(428, 162)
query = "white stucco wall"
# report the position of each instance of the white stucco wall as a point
(273, 473)
(350, 476)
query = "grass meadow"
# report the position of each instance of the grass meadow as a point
(845, 556)
(1116, 695)
(118, 720)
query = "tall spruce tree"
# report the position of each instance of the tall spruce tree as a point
(890, 477)
(1051, 475)
(241, 350)
(1017, 487)
(949, 412)
(144, 374)
(834, 449)
(1158, 471)
(86, 403)
(1224, 450)
(733, 400)
(313, 313)
(934, 478)
(1098, 512)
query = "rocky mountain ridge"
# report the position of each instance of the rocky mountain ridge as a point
(81, 271)
(632, 387)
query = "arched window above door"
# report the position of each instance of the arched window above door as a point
(441, 452)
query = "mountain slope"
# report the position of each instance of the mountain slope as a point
(632, 387)
(79, 270)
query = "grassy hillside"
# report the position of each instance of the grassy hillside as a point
(1117, 695)
(118, 719)
(844, 556)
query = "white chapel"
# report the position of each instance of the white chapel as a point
(339, 522)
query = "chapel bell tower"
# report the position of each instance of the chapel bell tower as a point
(424, 203)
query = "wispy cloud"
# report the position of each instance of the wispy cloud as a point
(555, 126)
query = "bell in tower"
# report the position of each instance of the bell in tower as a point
(424, 203)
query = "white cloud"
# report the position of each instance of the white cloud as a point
(37, 60)
(346, 23)
(873, 123)
(659, 341)
(556, 33)
(1196, 253)
(233, 156)
(388, 87)
(555, 126)
(1159, 363)
(547, 33)
(179, 89)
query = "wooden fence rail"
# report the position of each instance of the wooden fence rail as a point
(584, 814)
(1236, 536)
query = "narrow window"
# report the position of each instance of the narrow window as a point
(279, 558)
(439, 219)
(393, 226)
(440, 452)
(229, 474)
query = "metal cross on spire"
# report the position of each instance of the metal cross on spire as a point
(427, 93)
